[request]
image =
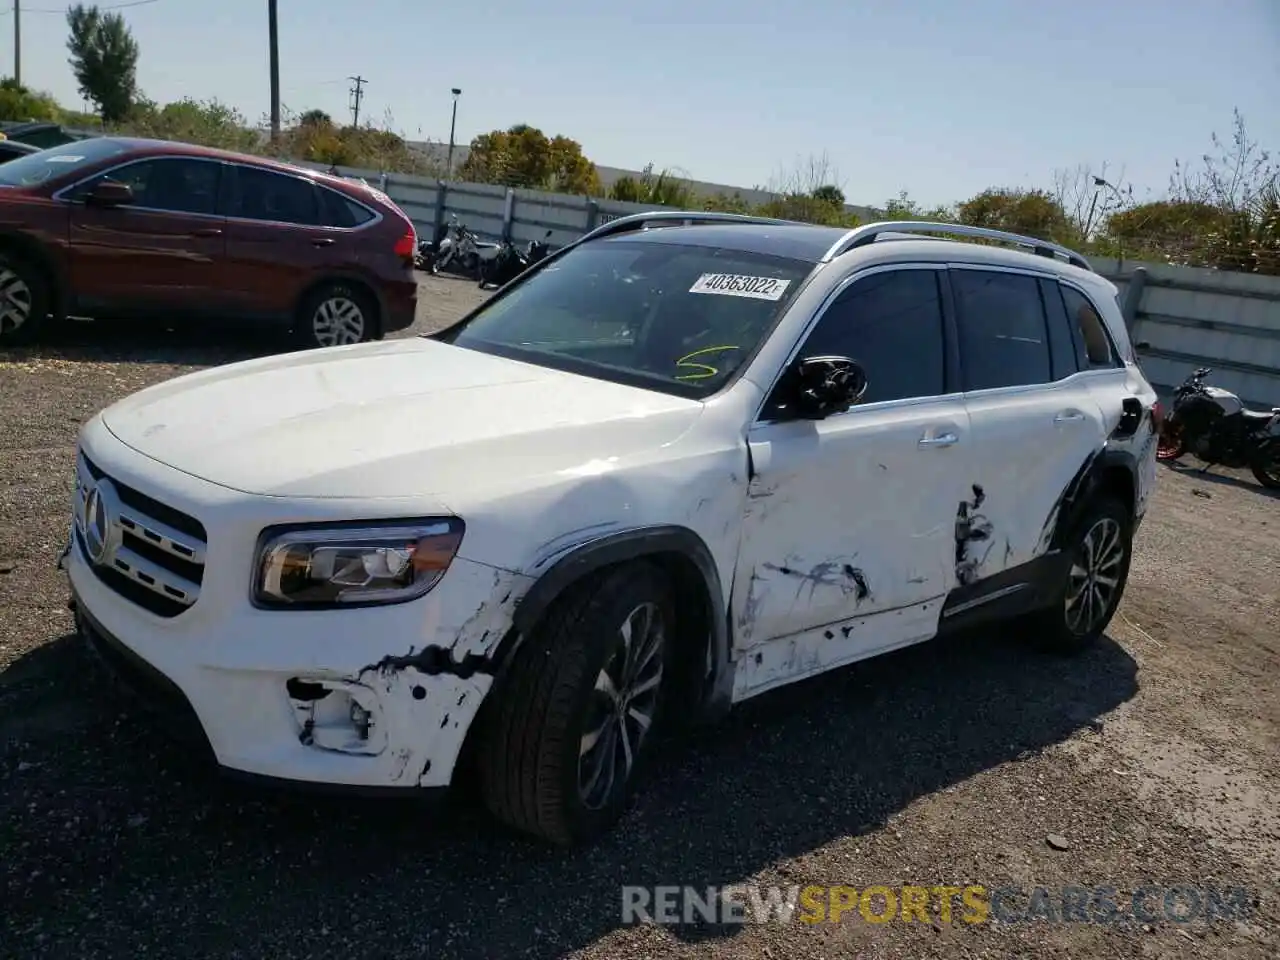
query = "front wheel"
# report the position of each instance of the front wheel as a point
(573, 718)
(1170, 445)
(1266, 465)
(1100, 551)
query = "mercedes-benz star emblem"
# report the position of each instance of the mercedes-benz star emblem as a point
(99, 521)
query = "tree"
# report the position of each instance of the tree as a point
(19, 103)
(315, 118)
(808, 192)
(902, 207)
(830, 193)
(1033, 213)
(104, 59)
(524, 156)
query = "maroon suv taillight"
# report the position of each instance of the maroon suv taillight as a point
(406, 245)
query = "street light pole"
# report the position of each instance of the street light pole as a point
(453, 123)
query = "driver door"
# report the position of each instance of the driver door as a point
(849, 541)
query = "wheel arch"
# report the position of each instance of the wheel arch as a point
(43, 260)
(700, 598)
(1110, 471)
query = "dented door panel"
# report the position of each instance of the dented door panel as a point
(848, 517)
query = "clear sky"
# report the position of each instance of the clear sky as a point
(938, 97)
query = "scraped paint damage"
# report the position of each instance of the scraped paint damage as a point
(973, 537)
(412, 710)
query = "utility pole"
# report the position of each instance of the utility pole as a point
(17, 42)
(273, 31)
(357, 94)
(453, 122)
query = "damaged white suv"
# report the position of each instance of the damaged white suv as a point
(685, 460)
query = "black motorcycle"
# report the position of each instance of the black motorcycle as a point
(1215, 426)
(510, 262)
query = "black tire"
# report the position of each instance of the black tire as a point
(1266, 466)
(307, 331)
(531, 755)
(1054, 627)
(29, 289)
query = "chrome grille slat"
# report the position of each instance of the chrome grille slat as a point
(154, 577)
(141, 550)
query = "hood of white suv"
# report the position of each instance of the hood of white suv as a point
(394, 419)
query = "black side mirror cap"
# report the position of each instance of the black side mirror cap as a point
(826, 385)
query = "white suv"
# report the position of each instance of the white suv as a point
(683, 461)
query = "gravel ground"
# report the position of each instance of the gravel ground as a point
(1156, 758)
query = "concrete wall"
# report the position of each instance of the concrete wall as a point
(1190, 317)
(1194, 317)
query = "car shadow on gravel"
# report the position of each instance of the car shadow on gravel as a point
(195, 343)
(116, 838)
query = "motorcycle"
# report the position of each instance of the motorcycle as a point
(1216, 427)
(510, 262)
(464, 249)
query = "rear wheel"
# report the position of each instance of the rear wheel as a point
(572, 723)
(1100, 549)
(1266, 466)
(336, 315)
(24, 300)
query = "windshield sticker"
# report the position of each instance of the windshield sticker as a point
(63, 158)
(735, 285)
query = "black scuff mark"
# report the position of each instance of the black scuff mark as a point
(829, 635)
(1008, 551)
(1066, 499)
(432, 661)
(972, 528)
(859, 581)
(846, 630)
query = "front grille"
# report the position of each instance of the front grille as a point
(150, 553)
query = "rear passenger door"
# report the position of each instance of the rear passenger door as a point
(1033, 418)
(281, 238)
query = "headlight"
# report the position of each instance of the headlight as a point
(354, 566)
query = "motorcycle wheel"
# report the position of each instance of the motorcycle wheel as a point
(1266, 467)
(1170, 445)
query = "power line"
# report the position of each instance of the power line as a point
(63, 11)
(357, 94)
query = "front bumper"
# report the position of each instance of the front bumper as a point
(398, 686)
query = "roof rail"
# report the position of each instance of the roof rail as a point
(869, 233)
(637, 221)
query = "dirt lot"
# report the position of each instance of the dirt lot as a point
(1156, 757)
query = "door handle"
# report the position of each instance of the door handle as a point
(207, 232)
(1068, 416)
(941, 440)
(322, 242)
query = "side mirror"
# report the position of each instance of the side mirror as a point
(822, 386)
(110, 193)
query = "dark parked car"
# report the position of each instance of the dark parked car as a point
(112, 228)
(13, 149)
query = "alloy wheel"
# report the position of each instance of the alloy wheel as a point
(1095, 577)
(622, 706)
(15, 301)
(338, 321)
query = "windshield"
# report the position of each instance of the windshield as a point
(57, 161)
(670, 316)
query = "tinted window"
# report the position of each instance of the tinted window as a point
(891, 323)
(1002, 329)
(263, 195)
(60, 161)
(339, 211)
(668, 315)
(1093, 338)
(183, 186)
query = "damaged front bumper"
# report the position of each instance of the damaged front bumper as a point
(313, 697)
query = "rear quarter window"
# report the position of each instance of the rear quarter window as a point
(341, 211)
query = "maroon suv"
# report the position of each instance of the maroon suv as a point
(119, 228)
